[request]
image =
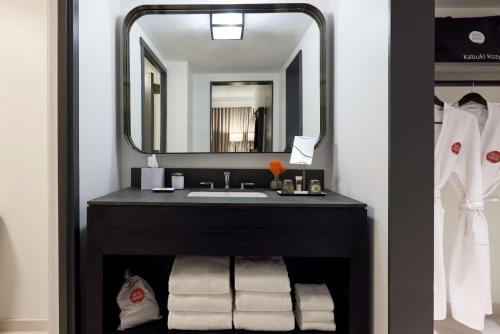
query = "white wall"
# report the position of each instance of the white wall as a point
(177, 106)
(451, 202)
(361, 30)
(99, 129)
(309, 45)
(28, 188)
(53, 239)
(200, 96)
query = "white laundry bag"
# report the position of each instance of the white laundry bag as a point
(137, 302)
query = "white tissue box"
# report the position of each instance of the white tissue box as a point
(148, 177)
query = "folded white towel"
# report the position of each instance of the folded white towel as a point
(314, 325)
(200, 320)
(261, 274)
(263, 301)
(315, 316)
(200, 303)
(264, 321)
(313, 297)
(200, 275)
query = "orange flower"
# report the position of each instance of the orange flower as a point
(276, 168)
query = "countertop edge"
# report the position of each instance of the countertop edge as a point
(280, 205)
(124, 198)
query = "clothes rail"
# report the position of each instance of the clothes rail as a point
(469, 83)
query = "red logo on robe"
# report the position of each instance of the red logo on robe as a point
(493, 157)
(137, 295)
(455, 148)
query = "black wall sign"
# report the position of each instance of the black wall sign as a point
(471, 39)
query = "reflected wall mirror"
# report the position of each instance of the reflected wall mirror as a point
(223, 78)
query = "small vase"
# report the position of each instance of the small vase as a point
(276, 183)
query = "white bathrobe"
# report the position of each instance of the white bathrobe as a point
(470, 277)
(457, 155)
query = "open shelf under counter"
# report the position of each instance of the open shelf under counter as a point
(334, 272)
(160, 327)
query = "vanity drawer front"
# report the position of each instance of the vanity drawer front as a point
(230, 230)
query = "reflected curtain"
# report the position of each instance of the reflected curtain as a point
(230, 129)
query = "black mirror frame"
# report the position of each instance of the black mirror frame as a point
(140, 11)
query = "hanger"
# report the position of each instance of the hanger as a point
(439, 103)
(473, 97)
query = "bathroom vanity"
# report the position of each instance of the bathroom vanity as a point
(323, 240)
(253, 92)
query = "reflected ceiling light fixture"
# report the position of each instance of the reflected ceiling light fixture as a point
(227, 26)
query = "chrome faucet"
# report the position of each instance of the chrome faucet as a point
(243, 184)
(227, 176)
(210, 184)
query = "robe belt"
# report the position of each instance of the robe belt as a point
(476, 226)
(473, 206)
(476, 205)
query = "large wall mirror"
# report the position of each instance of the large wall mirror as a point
(223, 78)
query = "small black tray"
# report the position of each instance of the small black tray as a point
(302, 193)
(163, 190)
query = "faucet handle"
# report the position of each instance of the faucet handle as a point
(211, 184)
(227, 176)
(243, 184)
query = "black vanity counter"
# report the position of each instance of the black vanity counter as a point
(323, 239)
(138, 197)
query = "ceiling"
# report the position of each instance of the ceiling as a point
(268, 41)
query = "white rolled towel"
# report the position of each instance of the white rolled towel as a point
(313, 297)
(263, 301)
(315, 316)
(314, 325)
(261, 274)
(264, 321)
(200, 275)
(200, 303)
(200, 320)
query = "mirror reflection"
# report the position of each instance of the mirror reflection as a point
(223, 82)
(242, 116)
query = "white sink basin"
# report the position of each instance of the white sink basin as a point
(233, 194)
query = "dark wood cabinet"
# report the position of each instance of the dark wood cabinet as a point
(322, 240)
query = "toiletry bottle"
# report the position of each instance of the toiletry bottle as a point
(177, 180)
(287, 187)
(298, 183)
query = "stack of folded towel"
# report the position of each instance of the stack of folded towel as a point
(314, 307)
(200, 295)
(262, 299)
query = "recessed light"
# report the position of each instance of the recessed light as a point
(227, 32)
(227, 18)
(227, 26)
